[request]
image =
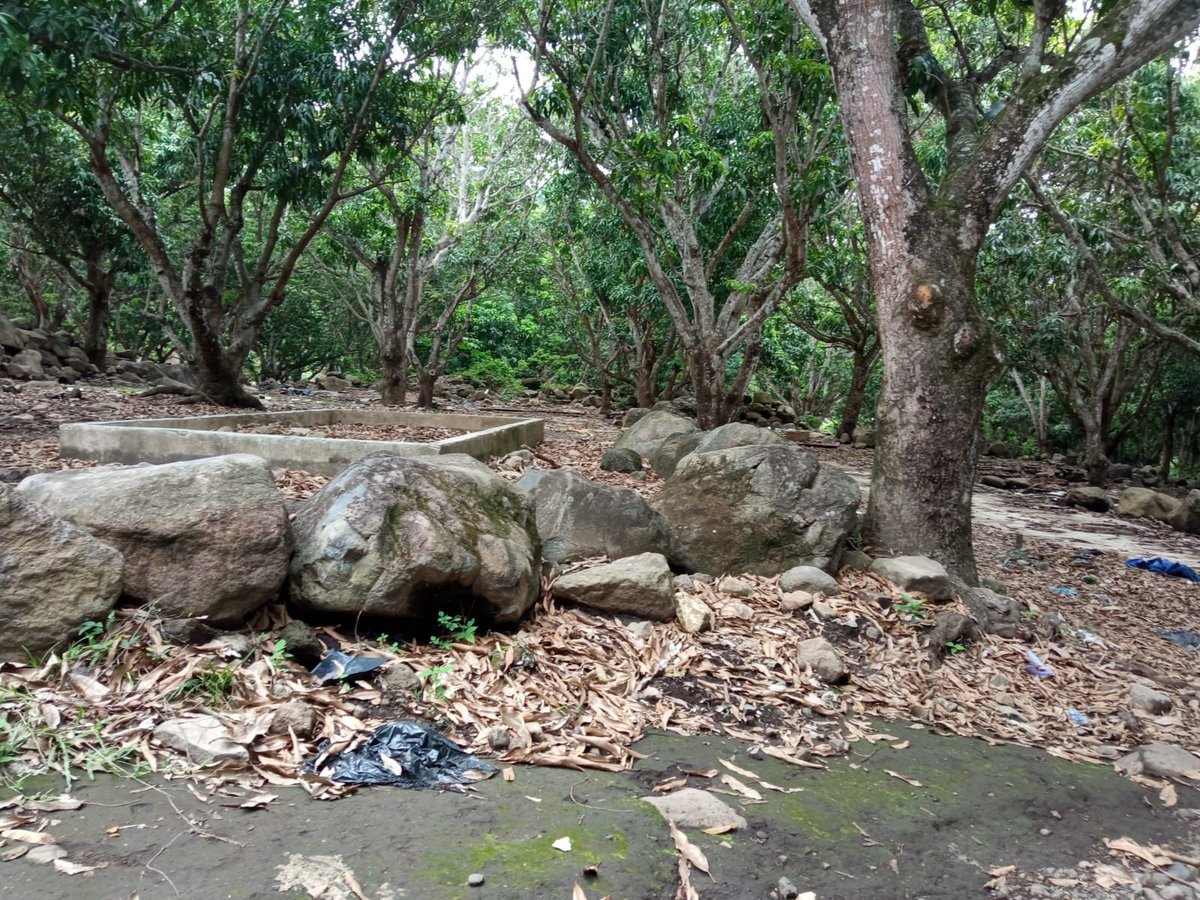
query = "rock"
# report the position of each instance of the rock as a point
(297, 716)
(636, 585)
(759, 510)
(204, 739)
(734, 587)
(577, 519)
(54, 577)
(1146, 504)
(824, 660)
(855, 560)
(1149, 700)
(652, 429)
(405, 537)
(694, 808)
(811, 579)
(205, 537)
(951, 628)
(399, 678)
(999, 449)
(328, 381)
(302, 644)
(10, 338)
(916, 573)
(692, 613)
(1164, 760)
(1117, 471)
(736, 609)
(26, 364)
(499, 739)
(994, 481)
(1093, 498)
(795, 601)
(995, 613)
(684, 582)
(633, 416)
(864, 436)
(187, 631)
(625, 460)
(475, 879)
(1186, 515)
(824, 611)
(666, 456)
(737, 434)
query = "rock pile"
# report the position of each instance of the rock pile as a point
(32, 354)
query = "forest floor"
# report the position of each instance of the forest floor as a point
(909, 782)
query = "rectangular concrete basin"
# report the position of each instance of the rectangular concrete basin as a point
(194, 437)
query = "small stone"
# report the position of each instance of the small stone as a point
(692, 613)
(640, 629)
(475, 880)
(1001, 682)
(735, 587)
(916, 573)
(302, 643)
(1165, 760)
(786, 890)
(1147, 699)
(684, 582)
(651, 695)
(824, 660)
(737, 610)
(871, 633)
(796, 600)
(824, 611)
(694, 808)
(499, 738)
(400, 678)
(809, 578)
(296, 716)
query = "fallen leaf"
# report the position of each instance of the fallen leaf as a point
(1153, 855)
(1064, 882)
(28, 837)
(720, 829)
(1001, 871)
(578, 893)
(689, 851)
(1168, 796)
(742, 789)
(903, 745)
(904, 778)
(737, 770)
(669, 785)
(259, 802)
(702, 773)
(70, 868)
(1108, 876)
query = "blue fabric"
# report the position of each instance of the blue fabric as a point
(1163, 567)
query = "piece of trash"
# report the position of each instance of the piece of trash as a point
(404, 754)
(1184, 637)
(1065, 591)
(1162, 566)
(336, 665)
(563, 844)
(1082, 634)
(1036, 667)
(1076, 717)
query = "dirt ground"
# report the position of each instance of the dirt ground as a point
(906, 809)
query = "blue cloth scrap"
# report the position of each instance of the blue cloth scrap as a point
(1163, 566)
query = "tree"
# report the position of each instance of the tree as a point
(697, 123)
(998, 79)
(247, 110)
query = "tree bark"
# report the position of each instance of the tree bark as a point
(99, 292)
(1168, 444)
(425, 383)
(857, 394)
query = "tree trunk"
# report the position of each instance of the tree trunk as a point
(857, 395)
(95, 341)
(936, 355)
(218, 372)
(394, 376)
(425, 383)
(1168, 444)
(1095, 460)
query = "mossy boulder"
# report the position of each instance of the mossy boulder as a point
(760, 509)
(406, 538)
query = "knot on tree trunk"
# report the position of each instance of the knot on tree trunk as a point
(925, 305)
(966, 342)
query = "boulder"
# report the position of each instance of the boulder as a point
(855, 561)
(1163, 760)
(760, 510)
(652, 429)
(578, 518)
(824, 660)
(735, 587)
(406, 538)
(26, 364)
(1094, 498)
(864, 436)
(54, 577)
(994, 481)
(633, 416)
(1146, 504)
(1186, 515)
(666, 456)
(916, 573)
(623, 460)
(637, 585)
(737, 434)
(204, 537)
(1149, 700)
(10, 337)
(810, 579)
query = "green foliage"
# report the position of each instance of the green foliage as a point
(455, 629)
(435, 677)
(911, 606)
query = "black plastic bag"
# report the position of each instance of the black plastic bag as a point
(404, 754)
(336, 665)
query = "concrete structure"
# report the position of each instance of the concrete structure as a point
(170, 440)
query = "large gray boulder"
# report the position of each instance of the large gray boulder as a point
(758, 509)
(204, 537)
(407, 537)
(1186, 515)
(26, 364)
(1146, 504)
(53, 578)
(650, 430)
(737, 434)
(10, 337)
(578, 518)
(637, 586)
(671, 449)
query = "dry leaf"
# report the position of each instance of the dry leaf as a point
(688, 850)
(1108, 876)
(903, 745)
(737, 770)
(70, 868)
(665, 787)
(28, 837)
(904, 778)
(741, 788)
(1153, 855)
(578, 893)
(720, 829)
(1001, 871)
(1168, 796)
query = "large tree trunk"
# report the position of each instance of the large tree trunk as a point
(394, 375)
(425, 384)
(218, 372)
(936, 361)
(95, 340)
